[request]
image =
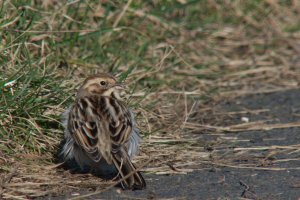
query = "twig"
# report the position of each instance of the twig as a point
(122, 13)
(113, 185)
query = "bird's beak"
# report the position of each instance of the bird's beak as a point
(119, 86)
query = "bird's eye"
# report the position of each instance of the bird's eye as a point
(103, 83)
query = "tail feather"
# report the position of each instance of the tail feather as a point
(132, 179)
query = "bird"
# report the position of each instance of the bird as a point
(101, 131)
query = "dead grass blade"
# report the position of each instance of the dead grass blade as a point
(251, 126)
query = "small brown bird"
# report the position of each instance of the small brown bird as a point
(100, 131)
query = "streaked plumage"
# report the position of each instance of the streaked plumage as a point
(101, 130)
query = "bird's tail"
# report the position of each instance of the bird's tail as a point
(132, 179)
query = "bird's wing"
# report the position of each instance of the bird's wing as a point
(100, 125)
(119, 121)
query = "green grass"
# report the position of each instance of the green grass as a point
(162, 49)
(42, 62)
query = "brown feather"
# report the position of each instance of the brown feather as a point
(132, 179)
(102, 126)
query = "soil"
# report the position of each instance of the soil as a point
(276, 175)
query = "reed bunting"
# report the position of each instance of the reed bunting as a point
(100, 131)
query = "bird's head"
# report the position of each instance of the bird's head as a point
(102, 84)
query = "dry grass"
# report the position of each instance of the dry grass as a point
(179, 63)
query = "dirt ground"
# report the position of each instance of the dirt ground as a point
(263, 164)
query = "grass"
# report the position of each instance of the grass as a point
(174, 56)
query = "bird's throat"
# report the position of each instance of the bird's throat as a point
(112, 92)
